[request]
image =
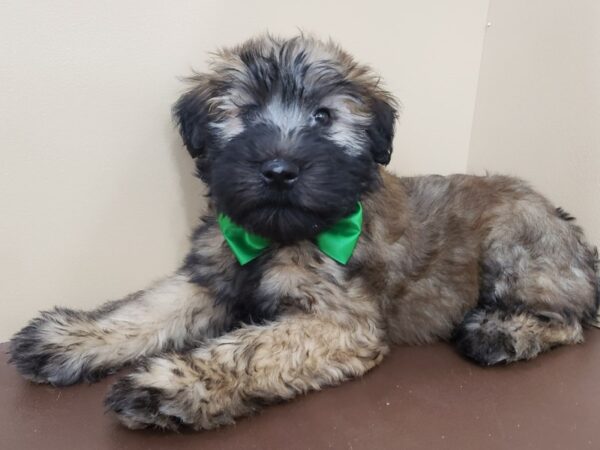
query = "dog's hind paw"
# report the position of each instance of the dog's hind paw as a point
(480, 340)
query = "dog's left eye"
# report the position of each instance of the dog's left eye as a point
(322, 116)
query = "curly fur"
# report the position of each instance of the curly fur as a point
(484, 261)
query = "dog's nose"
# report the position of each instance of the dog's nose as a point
(280, 172)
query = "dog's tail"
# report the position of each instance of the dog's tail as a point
(595, 320)
(592, 315)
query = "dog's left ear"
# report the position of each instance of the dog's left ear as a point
(381, 130)
(192, 116)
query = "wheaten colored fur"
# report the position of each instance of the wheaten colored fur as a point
(485, 261)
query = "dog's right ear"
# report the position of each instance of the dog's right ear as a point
(192, 116)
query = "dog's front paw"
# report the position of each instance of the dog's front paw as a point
(139, 406)
(47, 350)
(168, 392)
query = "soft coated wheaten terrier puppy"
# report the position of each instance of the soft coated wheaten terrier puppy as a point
(312, 259)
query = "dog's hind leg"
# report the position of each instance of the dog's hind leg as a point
(538, 287)
(63, 346)
(490, 335)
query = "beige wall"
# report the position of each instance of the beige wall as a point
(96, 196)
(538, 102)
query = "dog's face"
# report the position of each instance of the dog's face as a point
(288, 134)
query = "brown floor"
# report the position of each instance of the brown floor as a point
(419, 398)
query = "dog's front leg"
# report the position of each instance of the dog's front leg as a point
(254, 365)
(63, 346)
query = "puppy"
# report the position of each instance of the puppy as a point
(312, 259)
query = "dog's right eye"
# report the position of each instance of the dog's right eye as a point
(249, 111)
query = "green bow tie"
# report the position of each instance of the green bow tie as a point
(337, 242)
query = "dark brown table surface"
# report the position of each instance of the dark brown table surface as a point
(419, 398)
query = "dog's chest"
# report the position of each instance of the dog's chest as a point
(299, 277)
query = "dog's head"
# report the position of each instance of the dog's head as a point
(288, 134)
